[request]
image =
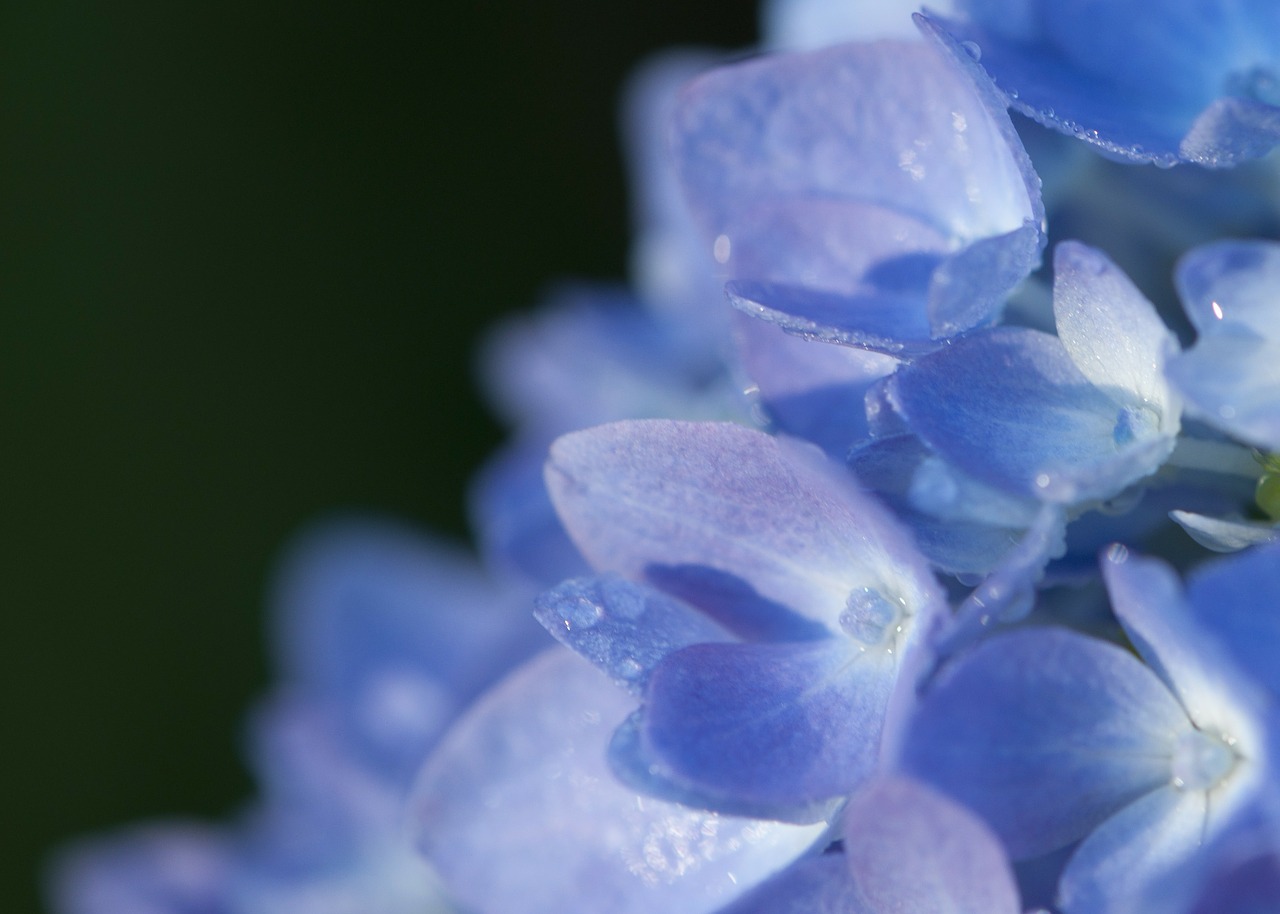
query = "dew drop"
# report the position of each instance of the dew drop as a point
(1202, 761)
(972, 49)
(582, 613)
(721, 249)
(869, 617)
(1117, 553)
(629, 668)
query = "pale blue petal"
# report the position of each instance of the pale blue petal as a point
(395, 631)
(519, 813)
(1237, 599)
(1225, 534)
(1115, 865)
(1113, 333)
(885, 321)
(1045, 734)
(804, 177)
(1231, 130)
(961, 525)
(515, 524)
(1230, 380)
(1147, 598)
(171, 868)
(1232, 285)
(625, 629)
(914, 851)
(808, 389)
(1011, 409)
(770, 727)
(1008, 593)
(672, 270)
(815, 885)
(806, 24)
(731, 520)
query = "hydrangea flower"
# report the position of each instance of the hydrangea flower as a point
(776, 706)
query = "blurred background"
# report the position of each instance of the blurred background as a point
(247, 250)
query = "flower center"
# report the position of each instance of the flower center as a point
(1134, 422)
(871, 618)
(1202, 761)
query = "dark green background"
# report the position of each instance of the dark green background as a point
(246, 250)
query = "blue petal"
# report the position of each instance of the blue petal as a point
(519, 813)
(1236, 599)
(1147, 598)
(1010, 408)
(516, 526)
(1225, 534)
(1115, 865)
(1135, 84)
(1230, 381)
(815, 884)
(810, 390)
(671, 269)
(734, 522)
(1044, 733)
(625, 629)
(1230, 285)
(173, 868)
(770, 726)
(1112, 332)
(807, 24)
(913, 851)
(887, 321)
(805, 177)
(962, 526)
(396, 630)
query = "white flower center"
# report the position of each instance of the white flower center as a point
(1202, 761)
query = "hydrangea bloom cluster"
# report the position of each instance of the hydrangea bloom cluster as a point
(876, 522)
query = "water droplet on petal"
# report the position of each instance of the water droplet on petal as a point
(869, 617)
(1117, 553)
(582, 613)
(972, 49)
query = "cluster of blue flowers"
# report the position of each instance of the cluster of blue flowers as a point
(894, 572)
